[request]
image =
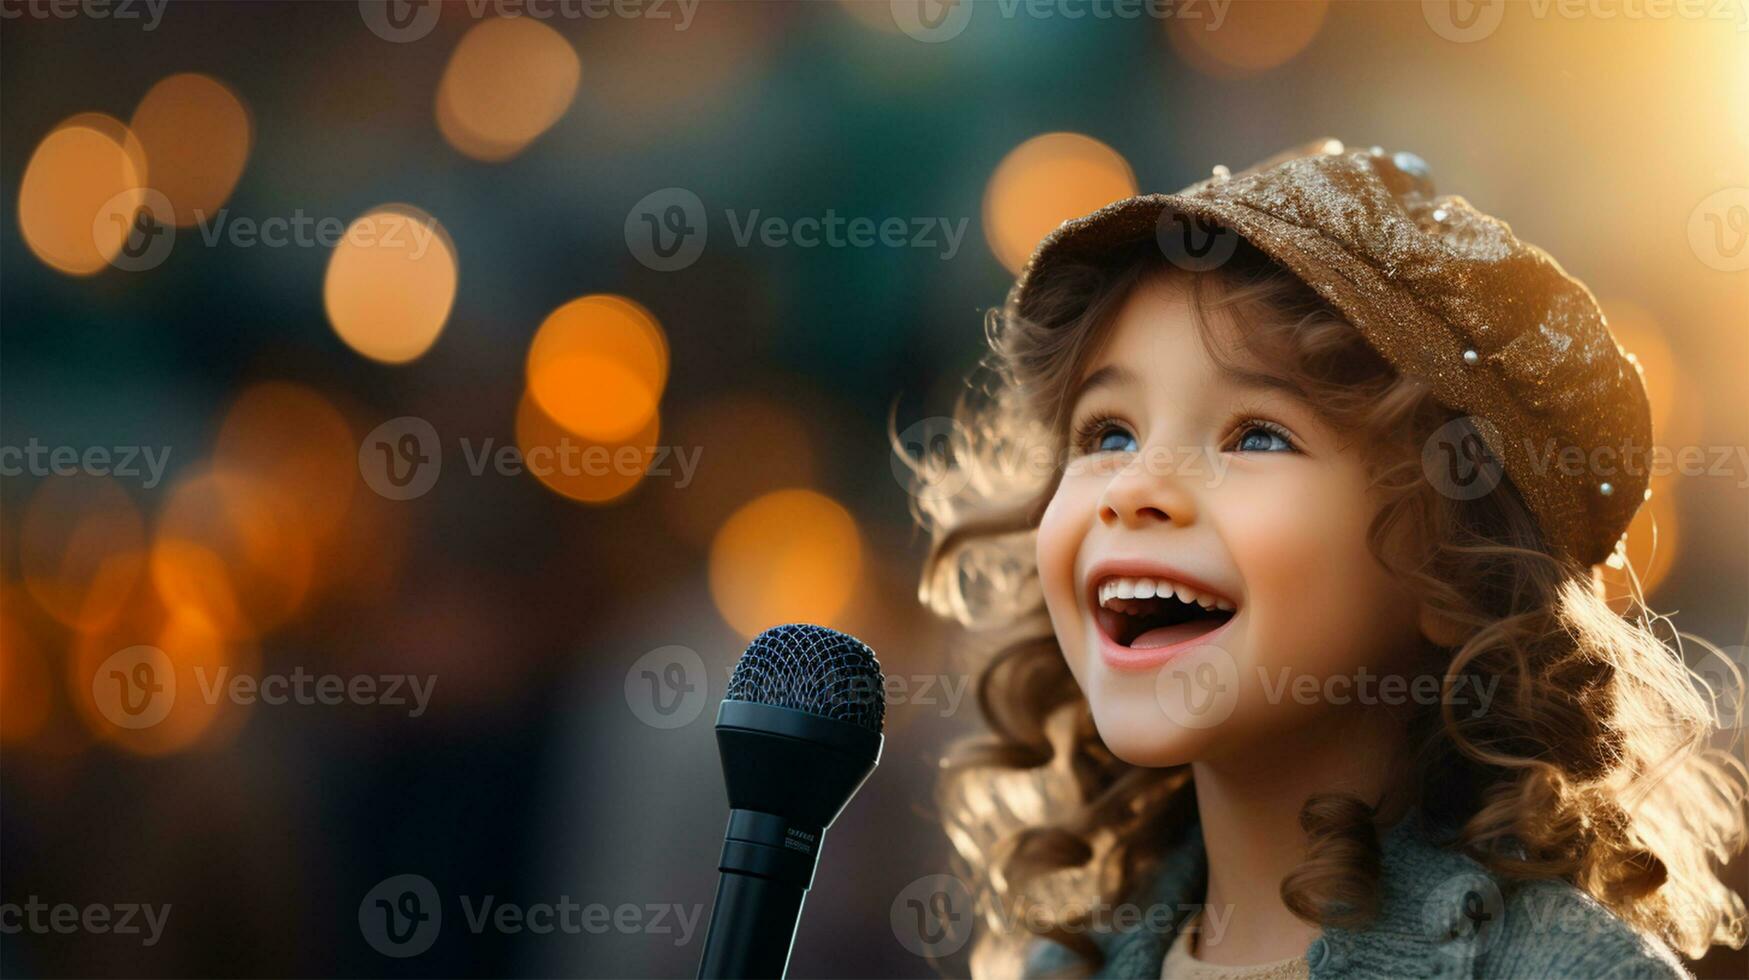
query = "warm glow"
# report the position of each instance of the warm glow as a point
(598, 365)
(296, 441)
(81, 193)
(789, 556)
(81, 548)
(1044, 182)
(1651, 548)
(26, 688)
(1255, 36)
(509, 80)
(1643, 336)
(227, 548)
(769, 445)
(391, 282)
(578, 468)
(877, 15)
(194, 652)
(196, 134)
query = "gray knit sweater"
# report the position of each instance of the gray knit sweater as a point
(1441, 915)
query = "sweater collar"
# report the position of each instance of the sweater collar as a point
(1435, 910)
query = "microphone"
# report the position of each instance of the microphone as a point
(798, 731)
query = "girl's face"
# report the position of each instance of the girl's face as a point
(1204, 559)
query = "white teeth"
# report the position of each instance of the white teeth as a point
(1149, 588)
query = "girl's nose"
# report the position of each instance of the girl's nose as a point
(1141, 495)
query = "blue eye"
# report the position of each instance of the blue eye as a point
(1256, 438)
(1103, 434)
(1115, 440)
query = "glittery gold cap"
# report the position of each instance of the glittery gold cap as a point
(1445, 293)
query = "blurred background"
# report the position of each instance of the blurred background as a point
(335, 339)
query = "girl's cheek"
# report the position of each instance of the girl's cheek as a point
(1319, 601)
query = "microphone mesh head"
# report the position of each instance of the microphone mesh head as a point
(813, 669)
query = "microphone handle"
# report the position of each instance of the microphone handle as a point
(753, 926)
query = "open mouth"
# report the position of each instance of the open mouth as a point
(1145, 613)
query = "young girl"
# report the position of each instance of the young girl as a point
(1304, 664)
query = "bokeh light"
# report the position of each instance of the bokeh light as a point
(193, 708)
(294, 439)
(196, 134)
(1652, 543)
(1677, 408)
(26, 684)
(1254, 36)
(81, 193)
(579, 468)
(748, 444)
(227, 548)
(81, 548)
(391, 282)
(1044, 182)
(789, 556)
(509, 80)
(597, 366)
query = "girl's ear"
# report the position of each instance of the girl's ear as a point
(1440, 629)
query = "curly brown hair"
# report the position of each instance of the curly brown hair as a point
(1594, 766)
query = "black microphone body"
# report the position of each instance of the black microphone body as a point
(796, 744)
